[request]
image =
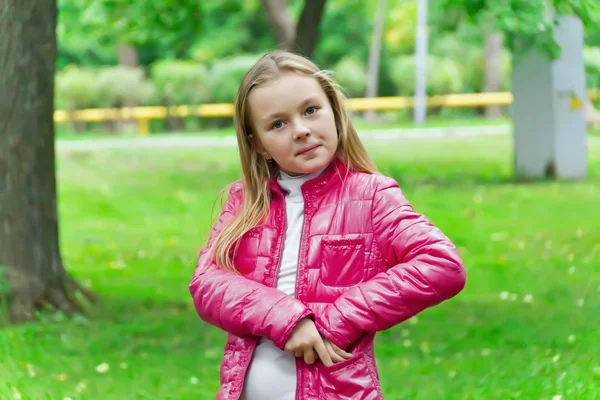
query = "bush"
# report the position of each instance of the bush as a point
(77, 88)
(591, 56)
(443, 76)
(125, 86)
(351, 76)
(471, 59)
(226, 75)
(180, 82)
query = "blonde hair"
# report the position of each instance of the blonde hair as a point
(257, 170)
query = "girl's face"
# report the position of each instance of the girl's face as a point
(294, 122)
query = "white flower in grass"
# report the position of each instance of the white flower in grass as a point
(102, 368)
(528, 298)
(504, 295)
(67, 398)
(571, 270)
(405, 332)
(16, 394)
(571, 338)
(556, 358)
(123, 365)
(437, 360)
(407, 343)
(194, 380)
(580, 302)
(81, 387)
(452, 374)
(30, 370)
(485, 352)
(557, 397)
(413, 320)
(513, 297)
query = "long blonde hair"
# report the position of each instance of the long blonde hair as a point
(257, 170)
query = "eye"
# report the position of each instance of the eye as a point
(277, 125)
(311, 110)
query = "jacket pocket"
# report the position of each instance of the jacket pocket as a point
(342, 259)
(348, 379)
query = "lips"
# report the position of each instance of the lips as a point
(307, 149)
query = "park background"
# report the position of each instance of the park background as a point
(136, 197)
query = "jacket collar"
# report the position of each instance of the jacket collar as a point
(335, 172)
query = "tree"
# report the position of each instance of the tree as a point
(493, 70)
(375, 55)
(30, 258)
(525, 23)
(301, 38)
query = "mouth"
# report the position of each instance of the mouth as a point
(307, 149)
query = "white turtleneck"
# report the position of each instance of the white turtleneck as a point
(272, 372)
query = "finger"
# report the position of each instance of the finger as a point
(309, 356)
(334, 356)
(323, 353)
(299, 353)
(341, 352)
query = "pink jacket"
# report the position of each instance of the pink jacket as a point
(367, 262)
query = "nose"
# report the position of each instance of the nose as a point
(301, 131)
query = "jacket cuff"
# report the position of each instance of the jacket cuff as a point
(332, 335)
(281, 340)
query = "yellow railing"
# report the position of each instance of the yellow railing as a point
(144, 114)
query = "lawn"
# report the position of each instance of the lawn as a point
(132, 222)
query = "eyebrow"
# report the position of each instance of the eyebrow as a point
(307, 101)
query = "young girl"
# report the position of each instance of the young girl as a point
(314, 251)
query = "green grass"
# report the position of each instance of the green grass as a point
(133, 221)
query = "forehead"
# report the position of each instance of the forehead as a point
(285, 92)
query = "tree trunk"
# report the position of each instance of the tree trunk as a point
(128, 56)
(374, 56)
(281, 22)
(493, 71)
(301, 38)
(307, 30)
(29, 247)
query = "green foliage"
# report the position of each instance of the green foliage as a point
(526, 23)
(472, 62)
(591, 56)
(443, 75)
(401, 25)
(77, 88)
(172, 23)
(82, 39)
(180, 82)
(122, 86)
(226, 75)
(351, 75)
(345, 31)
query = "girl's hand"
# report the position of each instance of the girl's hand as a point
(335, 352)
(305, 340)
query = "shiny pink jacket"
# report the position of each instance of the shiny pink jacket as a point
(367, 262)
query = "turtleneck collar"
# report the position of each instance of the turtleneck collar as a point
(335, 171)
(293, 184)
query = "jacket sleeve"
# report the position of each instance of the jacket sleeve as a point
(239, 305)
(426, 269)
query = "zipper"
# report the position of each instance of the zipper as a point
(278, 268)
(299, 366)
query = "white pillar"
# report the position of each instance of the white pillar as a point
(420, 110)
(549, 118)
